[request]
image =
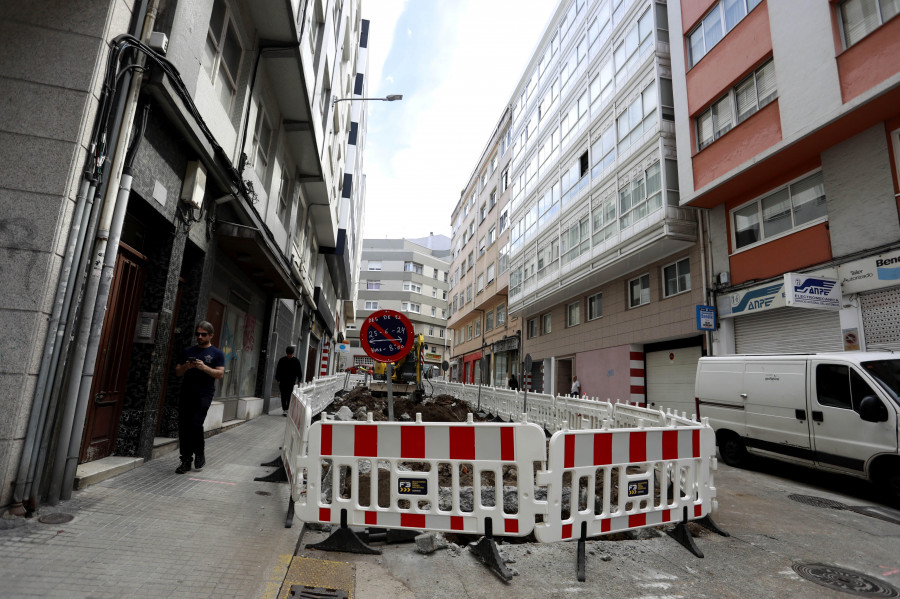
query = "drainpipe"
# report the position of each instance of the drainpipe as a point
(701, 217)
(97, 292)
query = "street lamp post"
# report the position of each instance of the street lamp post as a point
(389, 98)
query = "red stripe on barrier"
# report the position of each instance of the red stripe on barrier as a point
(602, 449)
(567, 531)
(698, 511)
(637, 447)
(636, 355)
(457, 523)
(365, 441)
(511, 526)
(508, 444)
(462, 443)
(696, 442)
(670, 445)
(637, 520)
(412, 520)
(667, 516)
(412, 442)
(324, 514)
(326, 439)
(371, 518)
(569, 460)
(605, 525)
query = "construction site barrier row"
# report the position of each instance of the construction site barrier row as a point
(633, 468)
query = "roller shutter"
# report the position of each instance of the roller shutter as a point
(670, 378)
(881, 318)
(788, 331)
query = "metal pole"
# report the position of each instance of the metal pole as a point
(390, 390)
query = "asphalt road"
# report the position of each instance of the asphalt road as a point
(780, 518)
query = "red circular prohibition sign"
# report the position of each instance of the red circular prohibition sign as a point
(386, 335)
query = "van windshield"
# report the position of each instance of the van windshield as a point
(887, 373)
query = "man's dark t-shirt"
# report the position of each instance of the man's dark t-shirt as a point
(288, 371)
(196, 382)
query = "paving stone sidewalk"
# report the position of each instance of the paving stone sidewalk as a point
(151, 533)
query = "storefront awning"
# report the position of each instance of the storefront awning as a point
(251, 252)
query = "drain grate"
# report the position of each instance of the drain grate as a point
(818, 501)
(263, 493)
(304, 592)
(847, 581)
(56, 518)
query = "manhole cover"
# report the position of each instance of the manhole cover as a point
(56, 518)
(847, 581)
(263, 493)
(818, 501)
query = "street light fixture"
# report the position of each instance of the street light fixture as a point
(390, 98)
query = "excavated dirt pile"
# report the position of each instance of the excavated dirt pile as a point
(441, 408)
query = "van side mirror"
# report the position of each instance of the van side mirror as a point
(872, 410)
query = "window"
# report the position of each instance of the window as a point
(469, 333)
(532, 328)
(748, 96)
(489, 321)
(504, 220)
(859, 18)
(636, 42)
(262, 140)
(284, 199)
(640, 197)
(504, 180)
(373, 285)
(639, 291)
(479, 285)
(433, 311)
(435, 273)
(676, 278)
(468, 293)
(411, 307)
(573, 314)
(222, 55)
(374, 264)
(501, 315)
(414, 288)
(638, 118)
(792, 207)
(477, 328)
(546, 322)
(492, 201)
(716, 24)
(470, 261)
(603, 152)
(492, 236)
(490, 273)
(413, 267)
(839, 386)
(441, 333)
(575, 240)
(371, 305)
(595, 306)
(482, 244)
(431, 331)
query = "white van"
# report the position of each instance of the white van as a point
(832, 411)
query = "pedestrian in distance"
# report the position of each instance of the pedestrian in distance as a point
(288, 372)
(576, 387)
(513, 383)
(199, 365)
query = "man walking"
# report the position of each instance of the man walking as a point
(287, 372)
(200, 365)
(576, 386)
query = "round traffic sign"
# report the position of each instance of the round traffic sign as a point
(386, 335)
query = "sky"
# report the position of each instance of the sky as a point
(457, 63)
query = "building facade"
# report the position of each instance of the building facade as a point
(485, 338)
(217, 182)
(606, 268)
(409, 276)
(788, 128)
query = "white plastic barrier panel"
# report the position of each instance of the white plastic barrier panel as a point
(296, 430)
(423, 476)
(624, 479)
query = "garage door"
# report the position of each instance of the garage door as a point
(881, 318)
(670, 379)
(788, 331)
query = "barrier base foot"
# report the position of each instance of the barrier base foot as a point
(486, 551)
(279, 476)
(388, 535)
(346, 540)
(273, 464)
(682, 534)
(289, 519)
(708, 523)
(581, 561)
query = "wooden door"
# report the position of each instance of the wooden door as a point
(101, 424)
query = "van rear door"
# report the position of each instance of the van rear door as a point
(841, 439)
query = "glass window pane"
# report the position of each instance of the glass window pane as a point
(704, 129)
(860, 18)
(712, 28)
(776, 213)
(671, 280)
(645, 289)
(765, 83)
(231, 52)
(808, 199)
(734, 12)
(746, 225)
(889, 9)
(698, 48)
(216, 20)
(722, 116)
(654, 180)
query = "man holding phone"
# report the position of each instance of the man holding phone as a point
(200, 365)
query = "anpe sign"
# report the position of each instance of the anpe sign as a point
(386, 335)
(808, 291)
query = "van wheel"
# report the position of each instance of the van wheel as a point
(732, 449)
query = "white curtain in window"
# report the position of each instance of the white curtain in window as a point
(745, 94)
(765, 83)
